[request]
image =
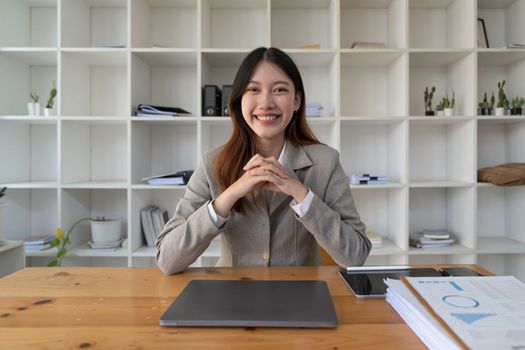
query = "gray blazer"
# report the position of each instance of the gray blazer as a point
(269, 235)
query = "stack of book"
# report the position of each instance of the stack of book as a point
(152, 220)
(429, 238)
(375, 238)
(35, 243)
(144, 110)
(367, 179)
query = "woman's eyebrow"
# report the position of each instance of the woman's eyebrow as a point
(274, 83)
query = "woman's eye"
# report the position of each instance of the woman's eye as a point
(251, 89)
(280, 89)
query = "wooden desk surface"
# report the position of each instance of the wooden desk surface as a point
(117, 308)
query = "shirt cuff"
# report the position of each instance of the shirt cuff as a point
(301, 208)
(216, 218)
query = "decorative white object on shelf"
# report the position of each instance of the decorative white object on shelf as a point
(105, 230)
(500, 111)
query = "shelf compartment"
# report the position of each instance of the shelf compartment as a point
(293, 23)
(496, 66)
(382, 210)
(503, 21)
(373, 21)
(234, 24)
(92, 203)
(162, 148)
(94, 153)
(449, 208)
(94, 23)
(319, 75)
(24, 72)
(95, 84)
(373, 84)
(30, 212)
(503, 264)
(165, 79)
(442, 152)
(500, 143)
(164, 24)
(446, 71)
(441, 23)
(166, 199)
(376, 149)
(215, 134)
(29, 153)
(219, 68)
(500, 219)
(28, 23)
(325, 133)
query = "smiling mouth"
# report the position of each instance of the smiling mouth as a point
(266, 117)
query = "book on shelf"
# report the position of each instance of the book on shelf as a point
(178, 178)
(38, 239)
(436, 233)
(368, 45)
(375, 238)
(309, 46)
(36, 247)
(461, 312)
(313, 109)
(367, 179)
(152, 219)
(146, 110)
(418, 240)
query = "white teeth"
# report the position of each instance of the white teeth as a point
(267, 117)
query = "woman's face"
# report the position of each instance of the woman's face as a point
(269, 101)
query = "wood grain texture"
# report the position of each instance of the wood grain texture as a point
(119, 308)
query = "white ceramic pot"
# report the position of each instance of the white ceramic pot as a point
(448, 112)
(48, 112)
(36, 109)
(105, 231)
(440, 113)
(500, 111)
(30, 109)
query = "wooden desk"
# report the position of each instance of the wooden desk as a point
(118, 308)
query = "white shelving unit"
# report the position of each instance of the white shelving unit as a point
(108, 56)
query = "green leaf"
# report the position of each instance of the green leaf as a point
(68, 241)
(55, 242)
(53, 263)
(62, 252)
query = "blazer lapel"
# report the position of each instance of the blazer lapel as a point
(295, 158)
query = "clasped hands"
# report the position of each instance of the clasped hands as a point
(260, 173)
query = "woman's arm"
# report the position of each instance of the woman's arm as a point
(189, 232)
(335, 222)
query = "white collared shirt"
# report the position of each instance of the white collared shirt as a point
(299, 208)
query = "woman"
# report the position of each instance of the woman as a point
(273, 191)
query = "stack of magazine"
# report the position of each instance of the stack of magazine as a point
(35, 243)
(430, 238)
(150, 110)
(152, 220)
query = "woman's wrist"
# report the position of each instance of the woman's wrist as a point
(300, 193)
(224, 203)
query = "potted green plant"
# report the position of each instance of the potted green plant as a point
(491, 104)
(439, 109)
(503, 102)
(2, 209)
(517, 105)
(33, 107)
(448, 104)
(50, 102)
(484, 105)
(428, 95)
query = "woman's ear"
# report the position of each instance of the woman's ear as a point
(297, 101)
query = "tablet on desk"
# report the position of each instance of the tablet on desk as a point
(369, 283)
(214, 303)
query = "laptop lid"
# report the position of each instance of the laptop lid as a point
(219, 303)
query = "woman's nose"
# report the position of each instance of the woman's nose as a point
(266, 100)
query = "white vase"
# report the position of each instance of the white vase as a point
(500, 111)
(105, 231)
(48, 112)
(30, 109)
(439, 113)
(36, 109)
(448, 112)
(3, 208)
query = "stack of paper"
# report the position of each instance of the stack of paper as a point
(150, 110)
(313, 109)
(475, 312)
(431, 239)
